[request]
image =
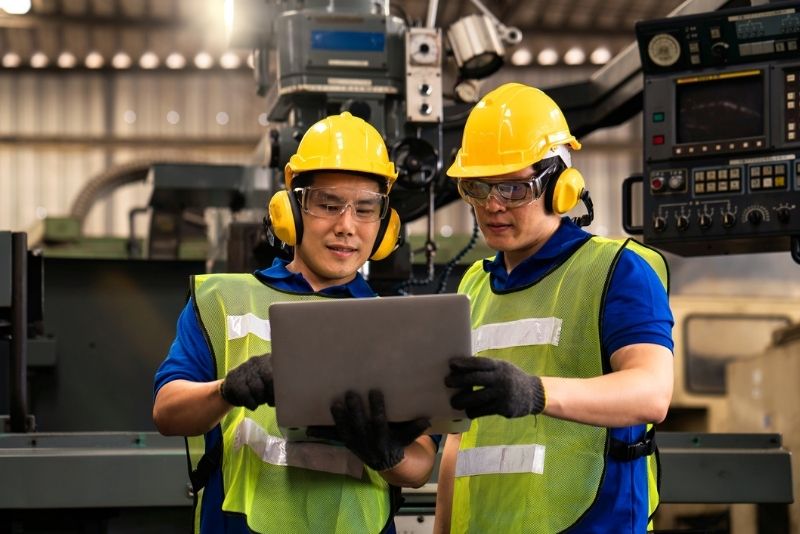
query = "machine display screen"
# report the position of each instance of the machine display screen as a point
(348, 40)
(726, 107)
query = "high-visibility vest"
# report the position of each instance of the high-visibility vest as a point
(540, 474)
(279, 486)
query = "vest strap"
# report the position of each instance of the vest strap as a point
(626, 452)
(205, 467)
(305, 455)
(500, 459)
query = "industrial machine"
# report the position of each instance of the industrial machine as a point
(721, 131)
(354, 55)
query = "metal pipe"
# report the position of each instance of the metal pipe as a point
(19, 332)
(433, 7)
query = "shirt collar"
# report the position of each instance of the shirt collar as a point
(567, 237)
(278, 276)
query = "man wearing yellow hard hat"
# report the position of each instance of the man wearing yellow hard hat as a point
(215, 385)
(572, 340)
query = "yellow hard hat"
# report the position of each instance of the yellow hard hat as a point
(344, 143)
(512, 127)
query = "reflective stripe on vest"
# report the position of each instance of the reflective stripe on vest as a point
(278, 451)
(535, 331)
(241, 325)
(503, 459)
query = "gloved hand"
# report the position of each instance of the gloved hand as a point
(507, 390)
(250, 384)
(378, 443)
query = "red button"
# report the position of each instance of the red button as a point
(658, 139)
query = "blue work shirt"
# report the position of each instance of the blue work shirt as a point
(636, 310)
(189, 358)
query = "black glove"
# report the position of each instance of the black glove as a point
(250, 384)
(507, 390)
(378, 443)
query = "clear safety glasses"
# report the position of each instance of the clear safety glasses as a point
(329, 202)
(513, 193)
(510, 194)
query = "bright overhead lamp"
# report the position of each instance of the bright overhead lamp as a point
(230, 60)
(574, 56)
(94, 60)
(203, 60)
(547, 57)
(149, 60)
(39, 60)
(11, 60)
(66, 60)
(15, 7)
(121, 60)
(175, 61)
(522, 57)
(600, 56)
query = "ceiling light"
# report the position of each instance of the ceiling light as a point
(16, 7)
(121, 60)
(94, 60)
(574, 56)
(39, 60)
(203, 60)
(548, 56)
(11, 60)
(149, 60)
(600, 56)
(230, 60)
(66, 60)
(175, 61)
(521, 57)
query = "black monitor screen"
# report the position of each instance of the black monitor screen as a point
(722, 109)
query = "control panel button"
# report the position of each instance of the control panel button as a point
(755, 217)
(728, 219)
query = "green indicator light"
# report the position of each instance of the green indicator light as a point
(658, 116)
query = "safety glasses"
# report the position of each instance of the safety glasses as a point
(329, 202)
(512, 193)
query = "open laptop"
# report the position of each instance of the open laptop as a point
(400, 345)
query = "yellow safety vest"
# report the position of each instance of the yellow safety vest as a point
(280, 486)
(539, 474)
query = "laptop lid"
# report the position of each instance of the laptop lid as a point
(399, 345)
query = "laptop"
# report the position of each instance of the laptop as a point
(399, 345)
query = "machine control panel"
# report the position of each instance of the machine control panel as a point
(722, 130)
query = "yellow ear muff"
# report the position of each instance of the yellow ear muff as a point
(567, 191)
(284, 216)
(388, 234)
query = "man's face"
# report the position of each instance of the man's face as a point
(335, 245)
(516, 230)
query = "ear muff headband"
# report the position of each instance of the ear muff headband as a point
(285, 218)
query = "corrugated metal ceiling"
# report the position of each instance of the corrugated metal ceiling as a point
(192, 26)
